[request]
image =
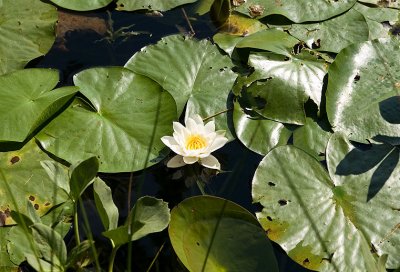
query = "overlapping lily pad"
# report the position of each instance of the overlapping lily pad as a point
(335, 34)
(298, 10)
(257, 133)
(26, 32)
(80, 5)
(384, 3)
(27, 101)
(318, 218)
(211, 241)
(27, 181)
(159, 5)
(363, 90)
(194, 72)
(121, 123)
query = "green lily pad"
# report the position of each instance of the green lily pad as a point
(27, 181)
(297, 10)
(384, 3)
(312, 138)
(219, 235)
(159, 5)
(335, 34)
(377, 14)
(27, 101)
(26, 32)
(194, 72)
(257, 133)
(80, 5)
(121, 125)
(317, 218)
(363, 86)
(5, 263)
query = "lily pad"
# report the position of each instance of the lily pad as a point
(5, 263)
(27, 181)
(335, 34)
(159, 5)
(363, 86)
(257, 133)
(194, 72)
(122, 123)
(298, 10)
(26, 101)
(384, 3)
(80, 5)
(212, 225)
(317, 218)
(26, 32)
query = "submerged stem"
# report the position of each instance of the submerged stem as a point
(76, 225)
(112, 258)
(155, 257)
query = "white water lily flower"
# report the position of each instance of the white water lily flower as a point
(194, 143)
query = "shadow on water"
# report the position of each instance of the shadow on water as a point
(101, 38)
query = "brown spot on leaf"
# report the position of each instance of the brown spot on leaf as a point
(282, 202)
(36, 206)
(31, 198)
(47, 204)
(306, 262)
(3, 218)
(271, 184)
(14, 159)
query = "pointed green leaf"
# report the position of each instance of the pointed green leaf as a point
(106, 208)
(26, 32)
(128, 115)
(27, 101)
(214, 234)
(82, 174)
(363, 88)
(149, 215)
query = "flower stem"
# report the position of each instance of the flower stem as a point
(155, 257)
(218, 113)
(200, 185)
(76, 225)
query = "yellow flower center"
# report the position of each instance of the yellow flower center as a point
(195, 142)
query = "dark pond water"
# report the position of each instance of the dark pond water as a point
(91, 39)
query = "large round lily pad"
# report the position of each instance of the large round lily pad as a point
(159, 5)
(362, 98)
(318, 218)
(27, 101)
(121, 123)
(297, 10)
(26, 32)
(214, 234)
(82, 5)
(194, 72)
(27, 181)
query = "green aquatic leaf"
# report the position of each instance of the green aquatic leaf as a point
(27, 181)
(318, 218)
(334, 34)
(6, 265)
(158, 5)
(298, 10)
(149, 215)
(193, 72)
(211, 226)
(27, 101)
(106, 208)
(377, 14)
(26, 32)
(257, 133)
(82, 175)
(382, 3)
(312, 138)
(121, 125)
(80, 5)
(363, 89)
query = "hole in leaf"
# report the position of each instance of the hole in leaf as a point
(282, 202)
(271, 184)
(269, 218)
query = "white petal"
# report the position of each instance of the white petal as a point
(210, 127)
(191, 125)
(210, 162)
(176, 162)
(172, 143)
(190, 160)
(198, 120)
(218, 142)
